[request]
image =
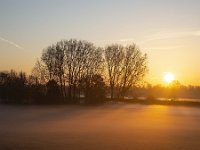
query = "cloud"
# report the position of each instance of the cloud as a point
(163, 48)
(171, 35)
(11, 43)
(126, 40)
(162, 35)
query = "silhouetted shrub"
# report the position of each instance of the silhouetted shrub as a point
(37, 93)
(13, 87)
(53, 92)
(94, 89)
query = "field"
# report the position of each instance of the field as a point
(107, 127)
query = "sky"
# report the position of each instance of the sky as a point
(167, 30)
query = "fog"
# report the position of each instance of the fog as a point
(111, 126)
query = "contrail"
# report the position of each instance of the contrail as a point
(11, 43)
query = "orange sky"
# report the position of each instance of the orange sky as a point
(168, 31)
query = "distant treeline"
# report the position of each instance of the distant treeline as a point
(72, 70)
(172, 91)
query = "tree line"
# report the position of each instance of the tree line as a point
(71, 71)
(173, 91)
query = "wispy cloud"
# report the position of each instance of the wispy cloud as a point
(162, 35)
(171, 35)
(115, 41)
(126, 40)
(11, 43)
(163, 48)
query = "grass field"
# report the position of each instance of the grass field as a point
(107, 127)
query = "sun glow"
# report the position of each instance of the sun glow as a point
(168, 77)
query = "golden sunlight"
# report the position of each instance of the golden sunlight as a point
(168, 77)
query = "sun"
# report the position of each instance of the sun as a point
(168, 77)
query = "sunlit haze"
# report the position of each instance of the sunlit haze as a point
(168, 31)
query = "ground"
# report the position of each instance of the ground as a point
(107, 127)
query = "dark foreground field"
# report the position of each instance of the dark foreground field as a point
(111, 127)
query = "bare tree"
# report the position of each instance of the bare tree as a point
(114, 57)
(92, 66)
(126, 66)
(71, 48)
(40, 73)
(59, 70)
(48, 57)
(82, 59)
(53, 59)
(134, 68)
